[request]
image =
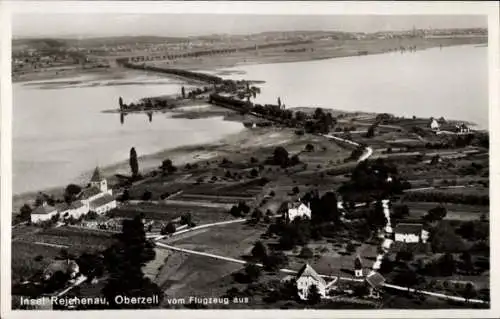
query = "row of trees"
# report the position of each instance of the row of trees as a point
(447, 197)
(319, 122)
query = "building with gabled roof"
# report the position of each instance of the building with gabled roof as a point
(410, 233)
(102, 204)
(297, 209)
(308, 277)
(375, 283)
(43, 212)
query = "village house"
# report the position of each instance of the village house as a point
(297, 209)
(43, 212)
(76, 209)
(410, 233)
(308, 277)
(434, 125)
(375, 283)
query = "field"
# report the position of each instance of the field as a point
(77, 240)
(24, 264)
(166, 212)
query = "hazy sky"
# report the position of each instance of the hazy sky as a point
(112, 24)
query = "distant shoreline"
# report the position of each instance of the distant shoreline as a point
(342, 49)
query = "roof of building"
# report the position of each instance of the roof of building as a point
(44, 210)
(76, 204)
(375, 279)
(89, 192)
(405, 228)
(96, 176)
(357, 263)
(308, 271)
(61, 207)
(101, 201)
(296, 204)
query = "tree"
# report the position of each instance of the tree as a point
(25, 213)
(435, 214)
(259, 251)
(71, 191)
(147, 195)
(134, 165)
(306, 253)
(371, 132)
(469, 291)
(168, 229)
(406, 278)
(90, 265)
(275, 260)
(186, 219)
(257, 215)
(183, 91)
(309, 148)
(252, 271)
(125, 196)
(124, 262)
(467, 261)
(254, 172)
(120, 102)
(447, 265)
(313, 295)
(280, 156)
(167, 166)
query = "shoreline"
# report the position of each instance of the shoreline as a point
(182, 153)
(269, 56)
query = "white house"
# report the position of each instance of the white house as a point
(410, 233)
(76, 209)
(307, 277)
(298, 209)
(434, 125)
(43, 213)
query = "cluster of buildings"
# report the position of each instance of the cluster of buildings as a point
(459, 128)
(403, 233)
(96, 198)
(308, 277)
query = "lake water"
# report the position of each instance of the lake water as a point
(450, 82)
(60, 133)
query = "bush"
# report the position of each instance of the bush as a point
(254, 172)
(168, 229)
(306, 253)
(147, 195)
(186, 219)
(259, 251)
(309, 148)
(252, 272)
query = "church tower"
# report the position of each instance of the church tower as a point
(98, 181)
(358, 267)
